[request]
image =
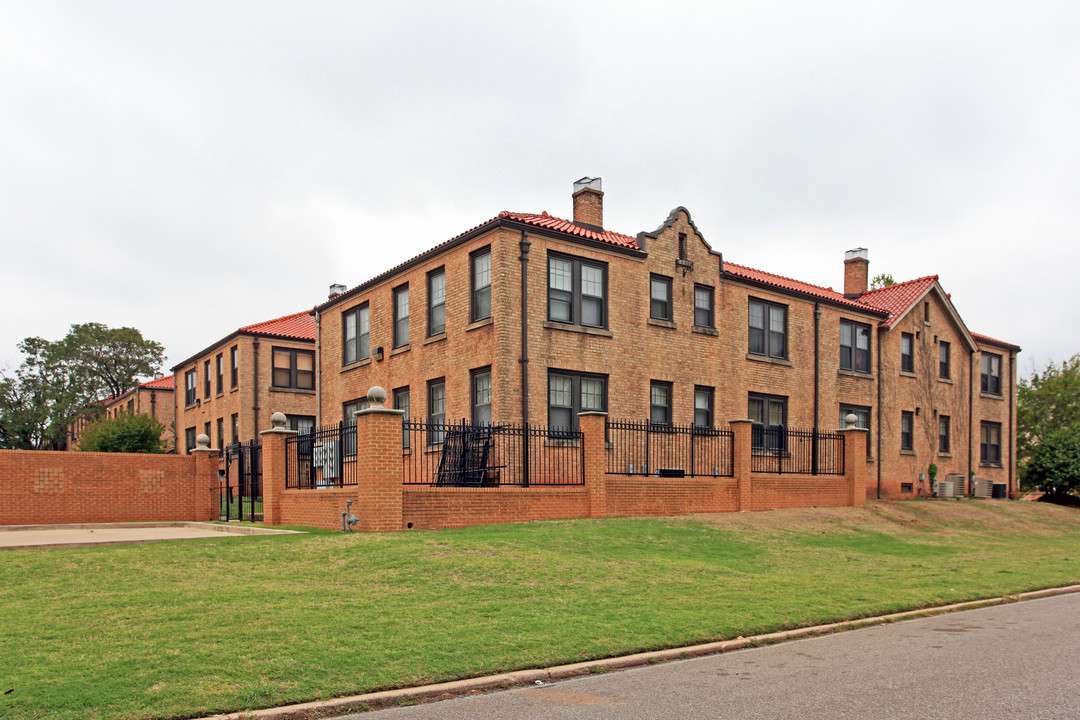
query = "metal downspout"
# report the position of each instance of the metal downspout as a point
(881, 340)
(318, 369)
(1012, 430)
(971, 420)
(524, 361)
(817, 363)
(255, 385)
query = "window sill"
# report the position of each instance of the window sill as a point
(945, 454)
(905, 373)
(192, 405)
(599, 332)
(234, 388)
(769, 360)
(398, 350)
(948, 381)
(990, 465)
(220, 394)
(479, 324)
(907, 452)
(656, 322)
(855, 374)
(297, 391)
(358, 363)
(705, 330)
(435, 338)
(991, 396)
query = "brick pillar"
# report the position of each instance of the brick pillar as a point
(594, 467)
(204, 484)
(379, 465)
(855, 461)
(740, 463)
(273, 467)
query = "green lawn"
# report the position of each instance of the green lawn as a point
(178, 629)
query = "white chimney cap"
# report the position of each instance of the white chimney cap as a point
(587, 182)
(336, 289)
(857, 253)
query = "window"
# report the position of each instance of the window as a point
(436, 316)
(682, 246)
(926, 312)
(862, 420)
(189, 387)
(234, 357)
(660, 403)
(943, 434)
(570, 393)
(990, 444)
(436, 393)
(235, 428)
(991, 373)
(769, 416)
(356, 334)
(189, 439)
(854, 346)
(206, 379)
(206, 429)
(703, 407)
(131, 406)
(907, 353)
(480, 266)
(768, 329)
(401, 316)
(481, 396)
(907, 430)
(943, 360)
(220, 360)
(303, 424)
(577, 291)
(703, 306)
(659, 297)
(348, 413)
(401, 402)
(294, 368)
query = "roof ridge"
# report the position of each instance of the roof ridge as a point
(278, 319)
(903, 282)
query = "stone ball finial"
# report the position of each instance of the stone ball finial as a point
(850, 420)
(376, 396)
(202, 441)
(278, 420)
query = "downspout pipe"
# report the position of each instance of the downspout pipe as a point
(817, 363)
(524, 361)
(881, 341)
(255, 386)
(318, 369)
(971, 421)
(1013, 492)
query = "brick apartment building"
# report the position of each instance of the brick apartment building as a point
(153, 397)
(529, 317)
(229, 390)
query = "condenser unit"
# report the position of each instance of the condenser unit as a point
(944, 489)
(959, 481)
(983, 488)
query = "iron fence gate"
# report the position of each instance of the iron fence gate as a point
(240, 490)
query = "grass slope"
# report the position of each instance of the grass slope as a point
(180, 629)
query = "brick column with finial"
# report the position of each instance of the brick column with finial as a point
(379, 464)
(273, 467)
(742, 452)
(594, 469)
(205, 480)
(855, 440)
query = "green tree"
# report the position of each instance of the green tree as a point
(1047, 402)
(59, 380)
(1054, 464)
(881, 280)
(125, 433)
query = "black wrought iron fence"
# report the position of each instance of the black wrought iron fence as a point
(323, 457)
(465, 455)
(646, 448)
(240, 483)
(796, 450)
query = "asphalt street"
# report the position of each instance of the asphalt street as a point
(1009, 661)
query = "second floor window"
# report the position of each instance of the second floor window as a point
(206, 379)
(436, 303)
(991, 373)
(703, 306)
(660, 403)
(480, 268)
(401, 316)
(907, 353)
(294, 369)
(854, 346)
(659, 297)
(220, 373)
(577, 291)
(356, 334)
(768, 329)
(234, 366)
(943, 360)
(189, 387)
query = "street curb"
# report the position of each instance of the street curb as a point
(457, 688)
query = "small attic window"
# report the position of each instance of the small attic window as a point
(682, 246)
(926, 312)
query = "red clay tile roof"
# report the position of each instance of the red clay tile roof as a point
(785, 283)
(300, 326)
(896, 299)
(164, 383)
(550, 222)
(981, 339)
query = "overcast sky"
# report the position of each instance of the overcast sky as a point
(187, 168)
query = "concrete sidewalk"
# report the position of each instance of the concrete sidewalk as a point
(90, 535)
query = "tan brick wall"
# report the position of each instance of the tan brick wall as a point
(996, 408)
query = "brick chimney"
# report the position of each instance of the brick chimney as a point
(856, 272)
(589, 203)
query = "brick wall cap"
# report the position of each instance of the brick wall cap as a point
(740, 421)
(379, 411)
(589, 413)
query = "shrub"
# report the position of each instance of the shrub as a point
(126, 433)
(1054, 464)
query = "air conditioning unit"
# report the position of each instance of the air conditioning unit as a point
(984, 488)
(944, 489)
(959, 481)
